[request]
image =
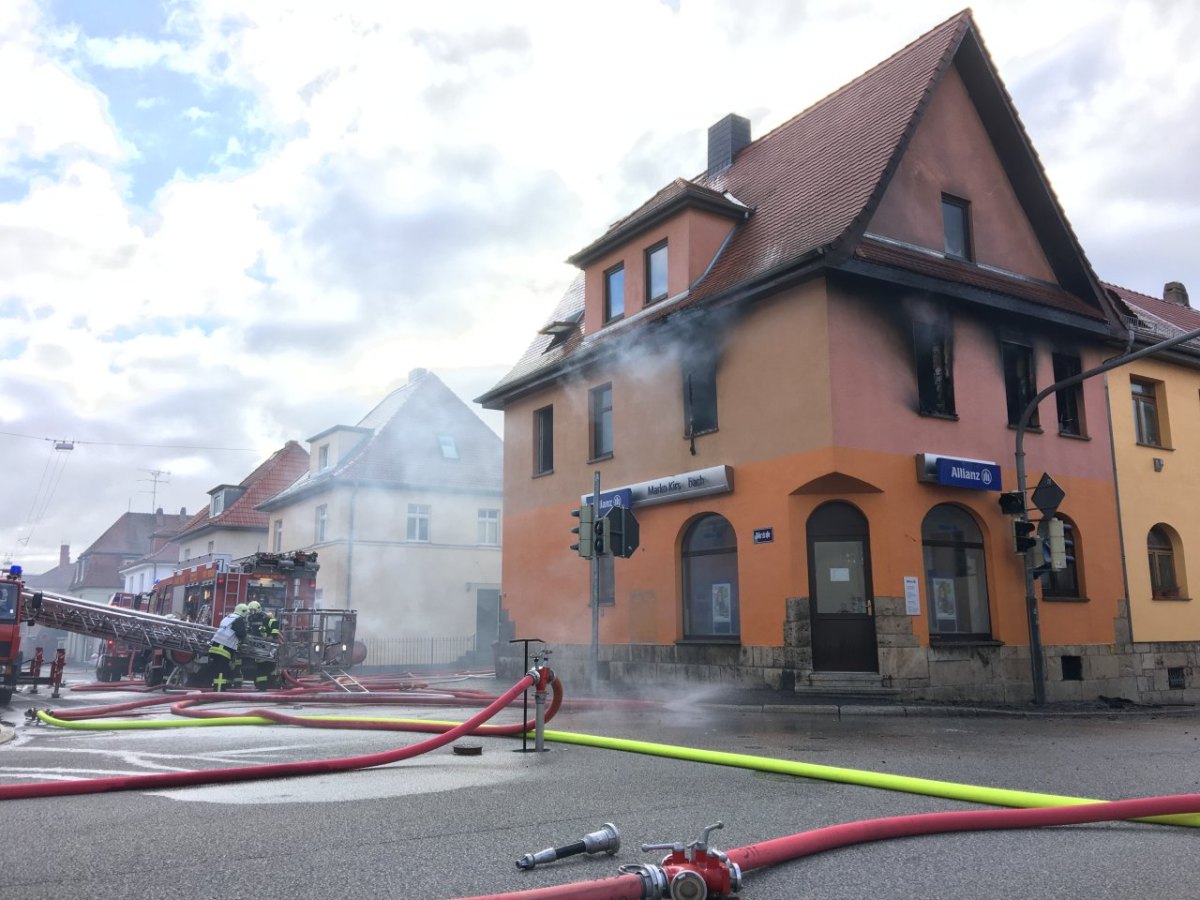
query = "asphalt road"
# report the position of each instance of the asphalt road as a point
(446, 826)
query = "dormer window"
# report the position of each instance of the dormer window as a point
(449, 448)
(956, 227)
(656, 273)
(218, 504)
(614, 293)
(322, 457)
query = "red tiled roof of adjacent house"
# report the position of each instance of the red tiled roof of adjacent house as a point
(404, 449)
(279, 470)
(1160, 318)
(812, 184)
(128, 538)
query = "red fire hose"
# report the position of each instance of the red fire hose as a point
(633, 886)
(276, 770)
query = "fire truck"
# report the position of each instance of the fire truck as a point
(312, 641)
(207, 593)
(12, 613)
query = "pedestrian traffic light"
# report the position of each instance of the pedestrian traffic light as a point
(1025, 536)
(1012, 503)
(586, 544)
(622, 531)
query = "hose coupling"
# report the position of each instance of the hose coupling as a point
(605, 840)
(654, 879)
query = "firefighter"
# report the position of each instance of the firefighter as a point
(263, 624)
(223, 649)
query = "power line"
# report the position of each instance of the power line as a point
(34, 437)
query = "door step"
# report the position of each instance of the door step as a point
(844, 687)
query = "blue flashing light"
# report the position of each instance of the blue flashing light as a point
(15, 571)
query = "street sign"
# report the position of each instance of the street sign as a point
(608, 499)
(1047, 495)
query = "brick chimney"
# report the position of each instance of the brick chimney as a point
(416, 375)
(1175, 292)
(64, 554)
(725, 139)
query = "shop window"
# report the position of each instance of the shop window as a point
(710, 580)
(1164, 581)
(1019, 384)
(1069, 400)
(935, 374)
(955, 575)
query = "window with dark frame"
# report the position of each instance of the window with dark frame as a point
(700, 393)
(955, 575)
(1163, 583)
(601, 422)
(543, 440)
(1145, 412)
(1069, 401)
(935, 377)
(614, 293)
(956, 227)
(1019, 384)
(656, 273)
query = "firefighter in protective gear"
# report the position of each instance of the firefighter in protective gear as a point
(263, 624)
(223, 648)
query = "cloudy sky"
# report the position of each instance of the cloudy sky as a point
(228, 224)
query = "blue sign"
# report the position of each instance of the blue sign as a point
(764, 535)
(609, 499)
(968, 473)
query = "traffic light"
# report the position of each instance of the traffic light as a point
(1025, 536)
(599, 533)
(1057, 542)
(1012, 503)
(622, 531)
(586, 531)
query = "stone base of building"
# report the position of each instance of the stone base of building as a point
(988, 672)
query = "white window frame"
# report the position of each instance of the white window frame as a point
(488, 527)
(418, 529)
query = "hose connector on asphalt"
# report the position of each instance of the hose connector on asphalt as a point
(696, 871)
(606, 840)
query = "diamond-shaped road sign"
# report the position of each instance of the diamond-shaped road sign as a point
(1047, 495)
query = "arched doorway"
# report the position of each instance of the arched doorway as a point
(839, 583)
(710, 582)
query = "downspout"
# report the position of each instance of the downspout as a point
(350, 549)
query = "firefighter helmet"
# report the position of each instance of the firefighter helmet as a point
(254, 606)
(241, 609)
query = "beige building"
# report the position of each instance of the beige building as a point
(1156, 441)
(403, 510)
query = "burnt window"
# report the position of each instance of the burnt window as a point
(543, 440)
(700, 394)
(1019, 384)
(1069, 400)
(656, 273)
(956, 227)
(935, 378)
(614, 293)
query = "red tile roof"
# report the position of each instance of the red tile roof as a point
(1158, 318)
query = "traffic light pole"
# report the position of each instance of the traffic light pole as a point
(595, 590)
(1036, 660)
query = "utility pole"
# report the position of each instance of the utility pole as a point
(156, 475)
(595, 572)
(1036, 661)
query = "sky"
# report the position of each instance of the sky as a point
(225, 225)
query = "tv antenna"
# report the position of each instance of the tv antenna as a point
(156, 476)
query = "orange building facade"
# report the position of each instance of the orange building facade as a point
(804, 370)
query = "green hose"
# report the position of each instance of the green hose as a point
(949, 790)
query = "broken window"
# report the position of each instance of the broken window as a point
(935, 378)
(700, 394)
(1019, 384)
(1069, 400)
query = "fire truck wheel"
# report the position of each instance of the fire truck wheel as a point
(5, 696)
(154, 676)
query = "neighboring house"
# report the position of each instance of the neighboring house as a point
(57, 579)
(404, 511)
(141, 575)
(97, 574)
(231, 526)
(1156, 438)
(806, 365)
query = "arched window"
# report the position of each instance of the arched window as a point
(1063, 583)
(1164, 585)
(955, 575)
(710, 582)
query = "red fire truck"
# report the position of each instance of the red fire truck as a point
(11, 615)
(208, 593)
